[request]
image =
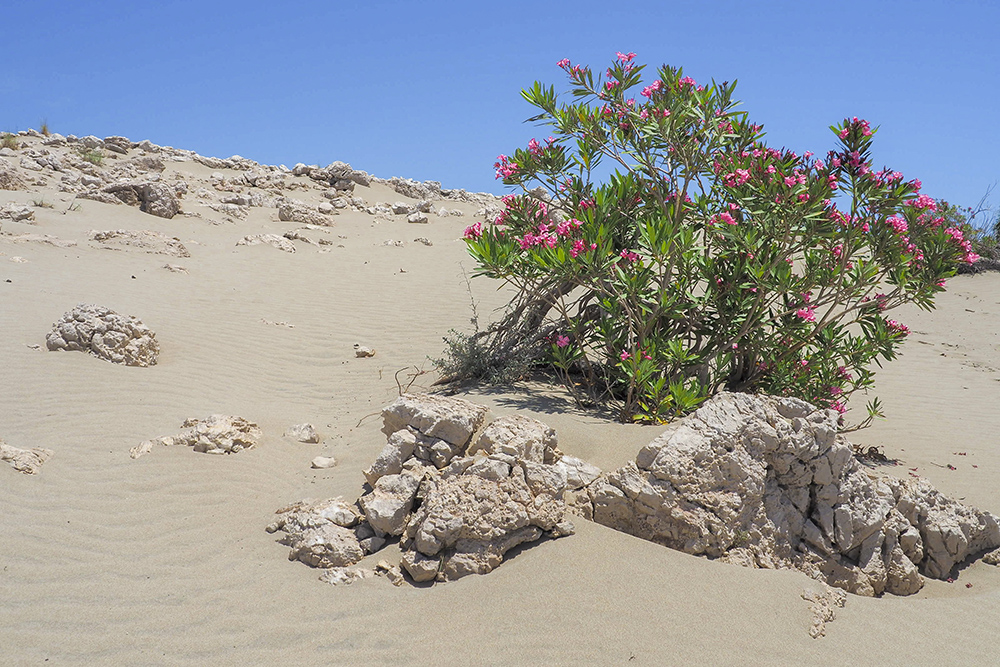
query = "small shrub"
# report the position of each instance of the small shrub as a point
(44, 129)
(707, 260)
(8, 140)
(93, 156)
(41, 203)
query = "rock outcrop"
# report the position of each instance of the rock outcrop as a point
(27, 461)
(120, 339)
(455, 514)
(153, 197)
(768, 482)
(218, 434)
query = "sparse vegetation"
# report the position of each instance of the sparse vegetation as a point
(44, 129)
(94, 156)
(8, 140)
(40, 203)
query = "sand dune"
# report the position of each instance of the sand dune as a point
(164, 560)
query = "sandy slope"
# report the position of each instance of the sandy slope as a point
(165, 560)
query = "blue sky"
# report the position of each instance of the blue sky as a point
(431, 90)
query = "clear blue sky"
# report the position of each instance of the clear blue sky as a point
(431, 90)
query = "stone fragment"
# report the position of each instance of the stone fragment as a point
(279, 242)
(452, 419)
(27, 461)
(322, 462)
(402, 208)
(521, 437)
(362, 351)
(823, 606)
(303, 433)
(417, 218)
(387, 506)
(17, 212)
(120, 339)
(344, 576)
(217, 434)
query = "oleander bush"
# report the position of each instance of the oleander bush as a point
(660, 251)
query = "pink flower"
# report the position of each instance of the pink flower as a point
(505, 168)
(625, 57)
(807, 314)
(923, 201)
(726, 218)
(564, 63)
(652, 88)
(625, 356)
(839, 407)
(629, 256)
(474, 231)
(898, 224)
(562, 341)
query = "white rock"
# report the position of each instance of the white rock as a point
(303, 433)
(27, 461)
(120, 339)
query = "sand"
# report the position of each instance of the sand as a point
(164, 560)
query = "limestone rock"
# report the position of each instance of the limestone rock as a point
(279, 242)
(303, 433)
(362, 351)
(465, 525)
(143, 240)
(27, 461)
(17, 212)
(151, 197)
(823, 606)
(768, 482)
(9, 178)
(344, 576)
(120, 339)
(388, 505)
(417, 218)
(323, 462)
(218, 434)
(452, 419)
(521, 437)
(293, 212)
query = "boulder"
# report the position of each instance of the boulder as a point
(292, 212)
(154, 198)
(120, 339)
(768, 482)
(465, 525)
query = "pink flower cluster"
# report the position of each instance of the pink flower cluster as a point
(863, 124)
(959, 238)
(898, 328)
(474, 231)
(629, 256)
(504, 167)
(652, 88)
